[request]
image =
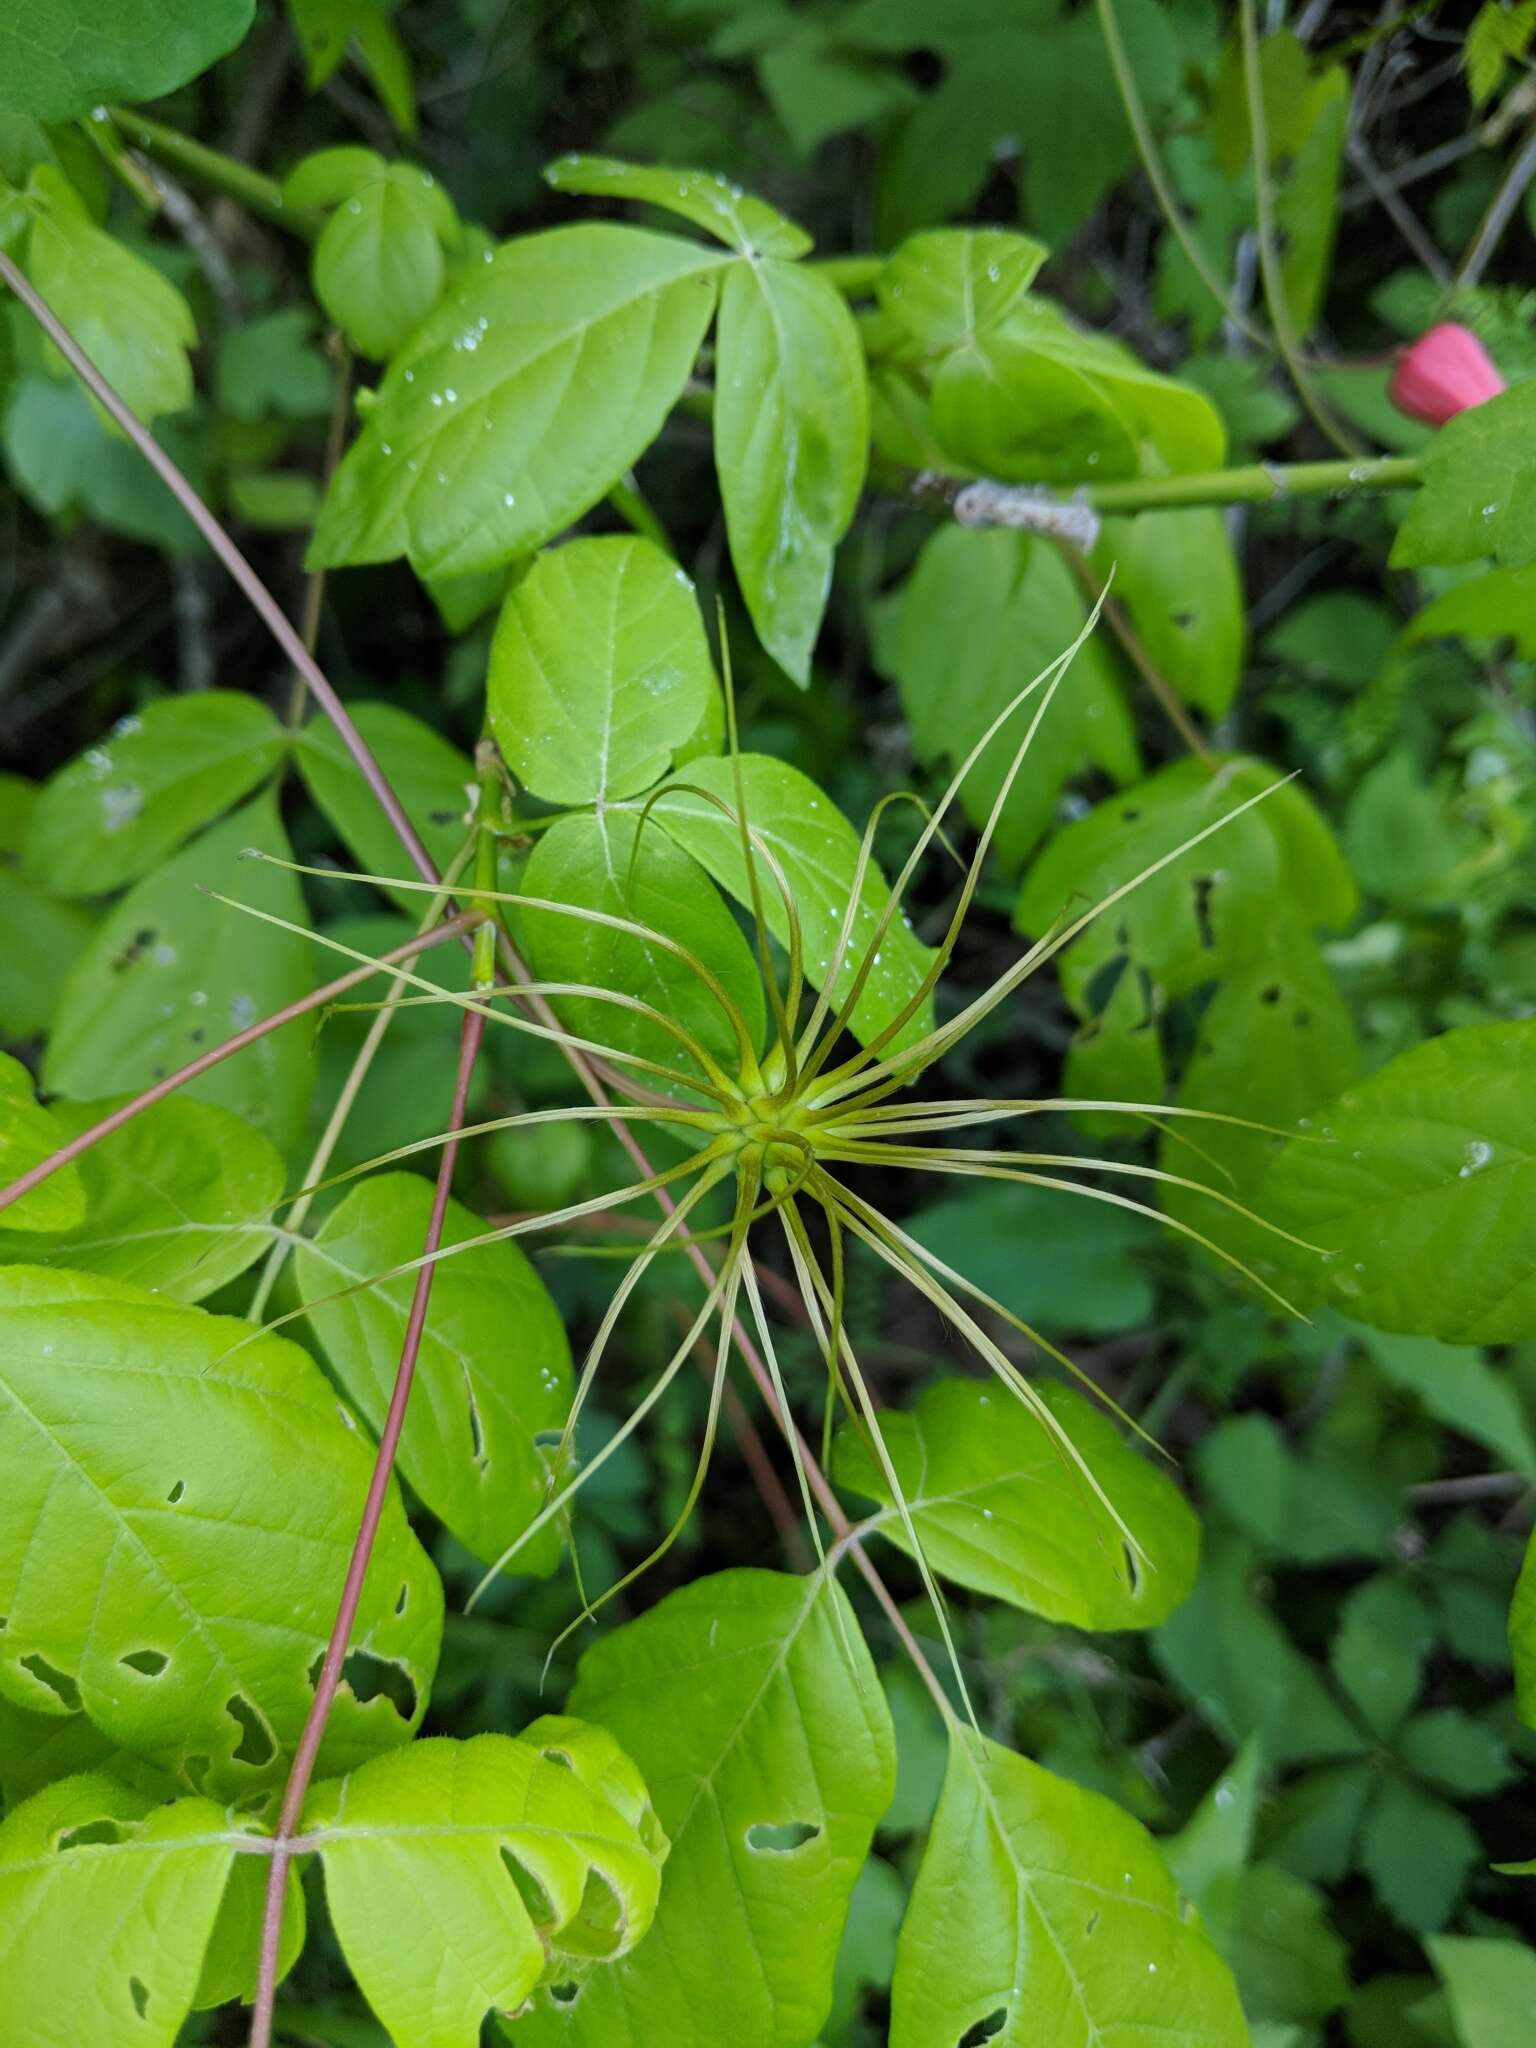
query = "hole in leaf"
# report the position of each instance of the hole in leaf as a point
(1269, 995)
(92, 1831)
(1203, 885)
(557, 1756)
(405, 1594)
(532, 1893)
(476, 1428)
(781, 1838)
(58, 1682)
(1302, 1019)
(565, 1994)
(138, 1991)
(1184, 620)
(256, 1744)
(1102, 984)
(546, 1439)
(984, 2029)
(150, 1662)
(176, 1492)
(1133, 1571)
(367, 1677)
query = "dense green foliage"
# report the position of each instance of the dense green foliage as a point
(877, 585)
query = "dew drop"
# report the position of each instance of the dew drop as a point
(1474, 1159)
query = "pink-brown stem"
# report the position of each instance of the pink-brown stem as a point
(451, 928)
(302, 1769)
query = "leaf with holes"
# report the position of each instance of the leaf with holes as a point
(1207, 909)
(748, 225)
(60, 59)
(29, 1134)
(1417, 1183)
(459, 1875)
(1022, 609)
(494, 1369)
(175, 1533)
(119, 809)
(430, 775)
(524, 396)
(132, 322)
(178, 1201)
(599, 671)
(588, 862)
(791, 444)
(752, 1708)
(998, 1506)
(817, 852)
(1042, 1912)
(170, 972)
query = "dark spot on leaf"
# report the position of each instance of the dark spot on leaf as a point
(138, 1991)
(405, 1594)
(984, 2030)
(476, 1428)
(1092, 1922)
(1202, 891)
(444, 817)
(546, 1439)
(1302, 1019)
(176, 1492)
(783, 1837)
(256, 1744)
(90, 1832)
(1269, 995)
(1130, 814)
(565, 1994)
(150, 1662)
(1184, 620)
(58, 1682)
(557, 1757)
(1133, 1572)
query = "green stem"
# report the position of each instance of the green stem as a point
(487, 876)
(1259, 483)
(226, 174)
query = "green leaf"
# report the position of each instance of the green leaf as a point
(272, 367)
(599, 670)
(1290, 1965)
(1225, 1650)
(1298, 1507)
(170, 972)
(1208, 909)
(493, 1371)
(1023, 609)
(458, 1875)
(39, 1749)
(529, 391)
(378, 266)
(431, 777)
(1402, 841)
(1383, 1637)
(1477, 496)
(1491, 1985)
(28, 1136)
(132, 322)
(748, 225)
(64, 460)
(178, 1201)
(146, 1879)
(42, 937)
(1058, 1262)
(1522, 1636)
(1460, 1389)
(59, 59)
(178, 1520)
(949, 286)
(1310, 149)
(1212, 1848)
(1177, 576)
(121, 808)
(1042, 1912)
(1420, 1190)
(750, 1704)
(1449, 1749)
(791, 444)
(998, 1507)
(817, 850)
(1418, 1853)
(587, 862)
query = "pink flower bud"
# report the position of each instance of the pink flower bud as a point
(1444, 372)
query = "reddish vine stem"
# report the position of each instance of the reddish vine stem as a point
(451, 928)
(302, 1769)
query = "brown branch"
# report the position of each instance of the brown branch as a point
(303, 1766)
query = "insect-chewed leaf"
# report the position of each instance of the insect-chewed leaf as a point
(1043, 1912)
(744, 223)
(791, 444)
(1177, 576)
(170, 973)
(178, 1201)
(176, 1531)
(1205, 910)
(998, 1507)
(600, 670)
(461, 1874)
(521, 399)
(29, 1134)
(431, 777)
(815, 846)
(494, 1367)
(770, 1758)
(107, 1905)
(121, 808)
(1418, 1184)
